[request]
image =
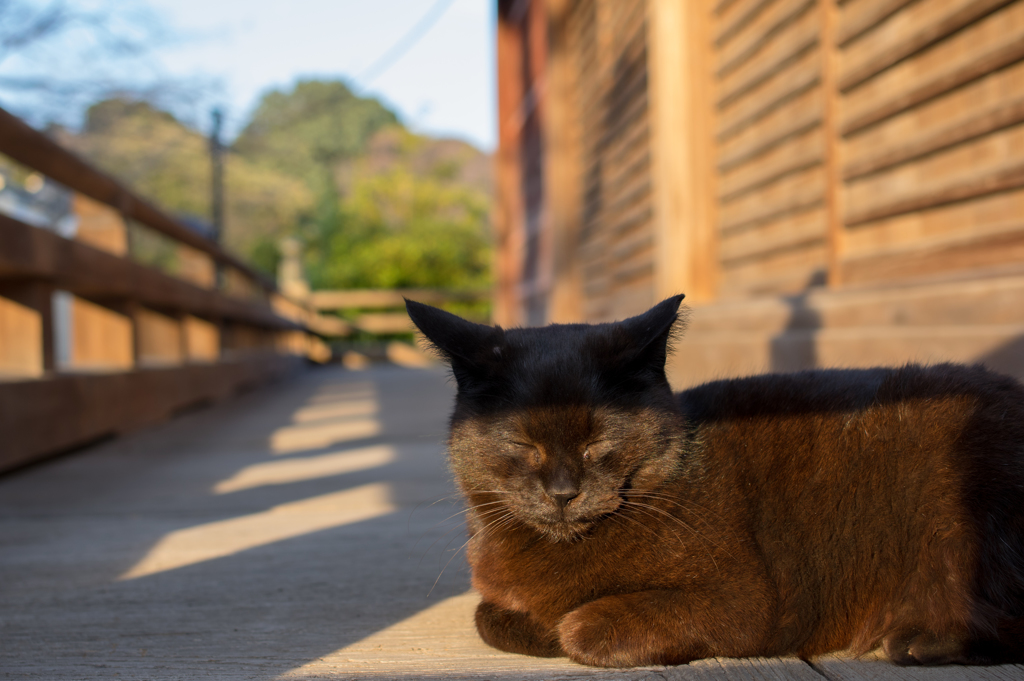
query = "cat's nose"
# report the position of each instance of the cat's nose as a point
(563, 498)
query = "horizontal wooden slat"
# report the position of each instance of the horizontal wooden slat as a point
(990, 164)
(993, 214)
(793, 118)
(990, 104)
(785, 47)
(32, 148)
(639, 194)
(971, 252)
(789, 232)
(759, 32)
(790, 194)
(973, 53)
(734, 17)
(385, 298)
(633, 274)
(787, 271)
(905, 33)
(796, 154)
(859, 17)
(638, 245)
(384, 323)
(635, 161)
(786, 84)
(34, 253)
(42, 417)
(631, 220)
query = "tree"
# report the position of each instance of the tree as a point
(56, 58)
(308, 130)
(406, 219)
(168, 162)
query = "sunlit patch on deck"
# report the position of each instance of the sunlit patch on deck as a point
(298, 469)
(209, 541)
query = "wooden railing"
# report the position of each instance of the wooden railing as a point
(94, 342)
(382, 311)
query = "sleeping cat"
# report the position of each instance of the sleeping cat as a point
(619, 524)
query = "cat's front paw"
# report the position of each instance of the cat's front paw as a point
(612, 632)
(515, 632)
(915, 647)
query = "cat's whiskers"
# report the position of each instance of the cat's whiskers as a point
(501, 521)
(697, 535)
(456, 527)
(691, 507)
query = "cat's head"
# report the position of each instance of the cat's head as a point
(557, 425)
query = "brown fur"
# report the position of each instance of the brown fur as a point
(621, 525)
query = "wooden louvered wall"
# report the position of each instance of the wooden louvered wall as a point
(866, 141)
(616, 239)
(931, 101)
(771, 146)
(743, 149)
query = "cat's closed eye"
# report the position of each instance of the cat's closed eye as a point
(597, 449)
(530, 452)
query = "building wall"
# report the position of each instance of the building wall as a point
(762, 152)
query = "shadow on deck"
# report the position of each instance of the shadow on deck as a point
(295, 532)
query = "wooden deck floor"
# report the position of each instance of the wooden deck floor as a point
(293, 533)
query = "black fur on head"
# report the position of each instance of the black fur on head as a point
(559, 362)
(558, 420)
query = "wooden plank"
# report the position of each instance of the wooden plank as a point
(907, 32)
(830, 128)
(681, 149)
(875, 668)
(748, 669)
(785, 85)
(758, 33)
(994, 214)
(787, 271)
(796, 154)
(639, 246)
(733, 17)
(384, 298)
(789, 232)
(44, 416)
(857, 18)
(34, 149)
(26, 328)
(562, 178)
(636, 167)
(990, 164)
(634, 273)
(788, 120)
(993, 103)
(34, 253)
(968, 252)
(384, 323)
(791, 194)
(973, 53)
(785, 47)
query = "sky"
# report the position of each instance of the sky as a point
(444, 85)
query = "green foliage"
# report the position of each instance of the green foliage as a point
(396, 228)
(306, 131)
(164, 160)
(375, 205)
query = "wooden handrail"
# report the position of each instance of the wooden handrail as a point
(28, 146)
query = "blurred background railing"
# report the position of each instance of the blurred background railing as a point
(113, 314)
(831, 182)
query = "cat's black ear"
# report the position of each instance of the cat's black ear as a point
(469, 348)
(650, 333)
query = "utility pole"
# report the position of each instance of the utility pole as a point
(217, 187)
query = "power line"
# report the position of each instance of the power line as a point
(405, 43)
